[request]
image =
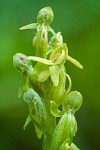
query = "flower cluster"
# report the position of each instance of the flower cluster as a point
(43, 86)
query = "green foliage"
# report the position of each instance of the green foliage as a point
(44, 86)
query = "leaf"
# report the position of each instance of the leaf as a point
(54, 72)
(29, 26)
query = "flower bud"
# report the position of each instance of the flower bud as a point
(45, 16)
(21, 63)
(72, 101)
(65, 129)
(36, 106)
(66, 146)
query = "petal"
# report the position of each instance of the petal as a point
(51, 30)
(70, 84)
(54, 72)
(74, 61)
(43, 76)
(41, 60)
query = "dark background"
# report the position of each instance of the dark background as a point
(79, 22)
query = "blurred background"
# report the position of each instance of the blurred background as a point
(79, 22)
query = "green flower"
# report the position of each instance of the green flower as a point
(44, 87)
(45, 15)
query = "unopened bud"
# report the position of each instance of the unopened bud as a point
(20, 62)
(72, 102)
(45, 16)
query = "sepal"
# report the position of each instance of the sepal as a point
(29, 26)
(45, 16)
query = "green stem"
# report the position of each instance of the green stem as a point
(50, 126)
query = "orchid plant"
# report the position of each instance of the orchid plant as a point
(52, 104)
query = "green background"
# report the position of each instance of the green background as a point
(79, 22)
